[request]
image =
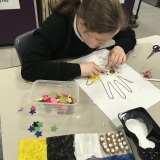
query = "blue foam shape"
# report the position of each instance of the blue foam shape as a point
(128, 156)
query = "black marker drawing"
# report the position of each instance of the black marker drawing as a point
(116, 84)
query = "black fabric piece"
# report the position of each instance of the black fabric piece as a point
(56, 39)
(61, 148)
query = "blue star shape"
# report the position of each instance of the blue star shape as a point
(32, 111)
(38, 134)
(31, 128)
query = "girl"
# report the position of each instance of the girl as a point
(74, 29)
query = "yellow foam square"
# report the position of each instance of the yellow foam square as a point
(32, 149)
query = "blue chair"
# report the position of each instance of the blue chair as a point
(21, 43)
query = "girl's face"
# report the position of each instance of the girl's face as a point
(93, 39)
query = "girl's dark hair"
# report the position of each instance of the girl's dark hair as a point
(101, 16)
(67, 7)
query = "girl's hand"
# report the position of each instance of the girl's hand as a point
(90, 69)
(116, 57)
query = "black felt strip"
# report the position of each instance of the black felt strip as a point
(61, 148)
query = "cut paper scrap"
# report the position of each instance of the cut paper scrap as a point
(134, 93)
(32, 149)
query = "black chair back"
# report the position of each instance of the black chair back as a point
(21, 43)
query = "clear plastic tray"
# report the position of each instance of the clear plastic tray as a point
(62, 96)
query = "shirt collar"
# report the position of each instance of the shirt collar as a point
(75, 28)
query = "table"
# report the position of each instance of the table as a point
(15, 92)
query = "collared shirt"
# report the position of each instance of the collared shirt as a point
(75, 28)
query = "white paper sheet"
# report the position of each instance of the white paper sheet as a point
(128, 94)
(9, 4)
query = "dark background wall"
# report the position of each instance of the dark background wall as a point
(16, 21)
